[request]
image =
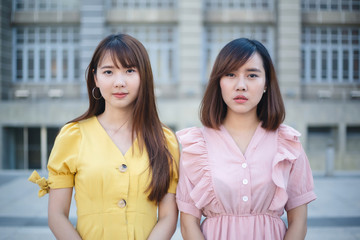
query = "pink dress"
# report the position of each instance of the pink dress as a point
(242, 196)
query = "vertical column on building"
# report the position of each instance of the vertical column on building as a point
(44, 150)
(341, 155)
(5, 49)
(92, 31)
(190, 45)
(289, 47)
(5, 60)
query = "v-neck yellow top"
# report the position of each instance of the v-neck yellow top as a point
(109, 186)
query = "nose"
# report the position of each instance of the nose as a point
(241, 84)
(120, 80)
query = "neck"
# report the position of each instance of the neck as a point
(116, 118)
(240, 122)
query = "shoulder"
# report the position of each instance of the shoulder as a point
(194, 151)
(69, 129)
(171, 142)
(289, 145)
(169, 134)
(286, 132)
(190, 135)
(72, 131)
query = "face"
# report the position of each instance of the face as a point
(119, 86)
(243, 88)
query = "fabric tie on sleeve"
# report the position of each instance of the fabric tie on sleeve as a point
(41, 181)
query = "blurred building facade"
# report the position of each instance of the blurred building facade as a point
(46, 46)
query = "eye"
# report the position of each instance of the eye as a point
(131, 70)
(230, 75)
(107, 72)
(252, 75)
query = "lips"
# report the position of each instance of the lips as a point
(240, 99)
(120, 95)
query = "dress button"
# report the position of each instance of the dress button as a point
(121, 203)
(123, 168)
(245, 198)
(244, 165)
(245, 181)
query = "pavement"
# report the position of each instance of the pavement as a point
(335, 215)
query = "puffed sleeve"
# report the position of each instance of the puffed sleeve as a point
(300, 187)
(63, 157)
(173, 147)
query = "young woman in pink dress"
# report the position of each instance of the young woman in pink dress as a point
(244, 167)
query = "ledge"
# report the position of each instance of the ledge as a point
(323, 17)
(239, 16)
(141, 15)
(45, 17)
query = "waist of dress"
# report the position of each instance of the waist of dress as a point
(244, 215)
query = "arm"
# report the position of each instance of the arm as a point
(58, 214)
(297, 223)
(190, 227)
(168, 215)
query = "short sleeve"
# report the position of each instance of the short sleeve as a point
(300, 187)
(194, 190)
(173, 147)
(62, 161)
(184, 201)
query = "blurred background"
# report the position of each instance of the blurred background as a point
(46, 45)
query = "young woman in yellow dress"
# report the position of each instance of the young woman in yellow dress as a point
(118, 156)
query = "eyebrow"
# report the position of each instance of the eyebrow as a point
(253, 70)
(107, 66)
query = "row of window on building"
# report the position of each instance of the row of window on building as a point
(30, 147)
(51, 54)
(306, 5)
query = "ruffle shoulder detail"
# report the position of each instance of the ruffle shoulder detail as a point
(288, 150)
(194, 159)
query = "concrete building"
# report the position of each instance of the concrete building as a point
(46, 46)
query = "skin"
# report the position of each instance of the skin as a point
(117, 117)
(297, 223)
(117, 122)
(58, 214)
(248, 81)
(190, 227)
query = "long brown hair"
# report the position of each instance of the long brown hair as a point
(129, 52)
(270, 110)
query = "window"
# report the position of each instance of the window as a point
(46, 54)
(217, 36)
(245, 4)
(330, 55)
(319, 139)
(45, 5)
(353, 139)
(142, 3)
(330, 5)
(24, 148)
(160, 43)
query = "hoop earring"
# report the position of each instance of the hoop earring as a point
(93, 94)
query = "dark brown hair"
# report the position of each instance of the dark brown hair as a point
(129, 52)
(213, 109)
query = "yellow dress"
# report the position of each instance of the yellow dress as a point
(109, 186)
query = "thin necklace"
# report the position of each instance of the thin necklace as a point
(119, 127)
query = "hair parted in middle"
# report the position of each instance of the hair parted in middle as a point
(130, 53)
(213, 109)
